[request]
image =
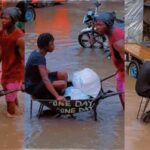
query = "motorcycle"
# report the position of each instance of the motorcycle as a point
(88, 37)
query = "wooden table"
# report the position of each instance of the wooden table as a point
(136, 55)
(138, 51)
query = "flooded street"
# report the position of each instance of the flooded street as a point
(65, 22)
(113, 130)
(136, 132)
(11, 130)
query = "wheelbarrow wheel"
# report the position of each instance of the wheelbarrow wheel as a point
(133, 69)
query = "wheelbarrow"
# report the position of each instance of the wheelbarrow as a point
(70, 107)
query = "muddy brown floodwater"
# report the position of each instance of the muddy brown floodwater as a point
(65, 22)
(11, 130)
(136, 132)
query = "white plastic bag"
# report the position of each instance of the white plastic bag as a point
(75, 93)
(87, 81)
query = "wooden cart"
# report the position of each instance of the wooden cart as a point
(136, 55)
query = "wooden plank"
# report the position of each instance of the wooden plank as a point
(138, 51)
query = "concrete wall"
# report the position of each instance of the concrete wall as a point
(134, 21)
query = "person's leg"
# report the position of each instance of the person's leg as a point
(44, 96)
(59, 85)
(120, 87)
(11, 109)
(16, 102)
(62, 75)
(59, 80)
(41, 92)
(17, 85)
(121, 96)
(11, 99)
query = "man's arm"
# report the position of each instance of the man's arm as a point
(44, 74)
(21, 47)
(119, 46)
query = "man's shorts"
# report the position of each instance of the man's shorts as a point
(11, 86)
(53, 76)
(40, 91)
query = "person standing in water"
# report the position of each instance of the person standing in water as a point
(105, 25)
(11, 56)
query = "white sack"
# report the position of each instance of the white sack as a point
(87, 81)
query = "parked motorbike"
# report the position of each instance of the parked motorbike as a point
(88, 37)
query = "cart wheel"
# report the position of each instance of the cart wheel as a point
(30, 14)
(133, 69)
(27, 11)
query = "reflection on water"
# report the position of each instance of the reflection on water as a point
(137, 133)
(11, 130)
(56, 21)
(65, 22)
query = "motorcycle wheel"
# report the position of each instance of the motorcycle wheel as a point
(89, 39)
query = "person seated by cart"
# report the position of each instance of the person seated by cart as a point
(39, 82)
(105, 25)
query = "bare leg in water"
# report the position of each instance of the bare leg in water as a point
(121, 96)
(11, 109)
(61, 83)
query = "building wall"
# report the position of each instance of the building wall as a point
(134, 21)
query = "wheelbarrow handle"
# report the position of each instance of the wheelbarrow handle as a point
(108, 77)
(105, 95)
(111, 94)
(4, 92)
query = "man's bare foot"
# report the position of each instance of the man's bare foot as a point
(11, 115)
